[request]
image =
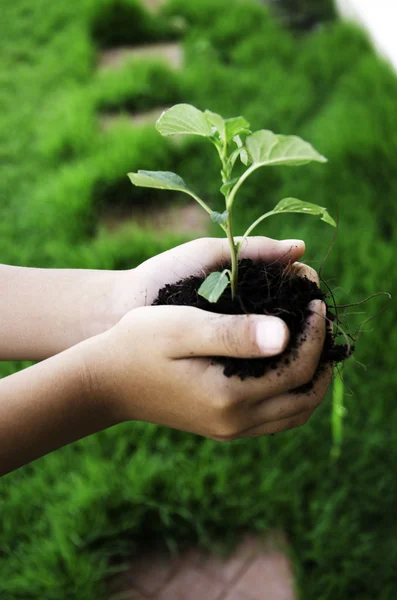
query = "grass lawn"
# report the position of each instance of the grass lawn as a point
(66, 518)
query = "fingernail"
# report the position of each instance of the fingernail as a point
(271, 336)
(292, 243)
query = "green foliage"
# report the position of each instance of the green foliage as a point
(267, 149)
(137, 85)
(126, 22)
(64, 516)
(293, 205)
(163, 180)
(184, 119)
(259, 149)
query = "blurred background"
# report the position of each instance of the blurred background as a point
(81, 85)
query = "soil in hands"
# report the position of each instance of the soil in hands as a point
(272, 289)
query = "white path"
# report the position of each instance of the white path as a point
(170, 53)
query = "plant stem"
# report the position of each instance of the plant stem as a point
(228, 228)
(235, 249)
(233, 254)
(252, 227)
(200, 201)
(232, 195)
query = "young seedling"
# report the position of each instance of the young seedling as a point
(233, 140)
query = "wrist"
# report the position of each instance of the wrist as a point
(47, 406)
(125, 293)
(108, 297)
(97, 380)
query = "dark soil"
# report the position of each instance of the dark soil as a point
(266, 290)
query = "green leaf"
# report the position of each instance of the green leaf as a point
(236, 126)
(225, 189)
(184, 119)
(244, 157)
(216, 121)
(266, 149)
(232, 158)
(162, 180)
(242, 151)
(219, 218)
(165, 180)
(214, 286)
(293, 205)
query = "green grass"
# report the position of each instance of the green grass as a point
(65, 516)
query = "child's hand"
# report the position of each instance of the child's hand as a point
(153, 366)
(140, 286)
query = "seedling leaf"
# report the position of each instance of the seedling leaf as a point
(220, 218)
(242, 151)
(214, 286)
(293, 205)
(165, 180)
(184, 119)
(228, 186)
(255, 150)
(216, 121)
(267, 149)
(236, 126)
(162, 180)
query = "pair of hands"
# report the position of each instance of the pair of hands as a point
(153, 366)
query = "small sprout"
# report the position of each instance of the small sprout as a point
(214, 285)
(233, 140)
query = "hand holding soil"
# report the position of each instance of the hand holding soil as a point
(141, 286)
(162, 364)
(154, 364)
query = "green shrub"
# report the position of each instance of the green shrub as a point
(127, 249)
(125, 23)
(68, 125)
(136, 86)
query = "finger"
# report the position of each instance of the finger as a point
(268, 250)
(305, 271)
(278, 426)
(201, 256)
(302, 362)
(201, 333)
(217, 250)
(227, 424)
(285, 406)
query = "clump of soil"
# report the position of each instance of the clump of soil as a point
(272, 289)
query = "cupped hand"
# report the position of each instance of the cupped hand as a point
(140, 286)
(153, 366)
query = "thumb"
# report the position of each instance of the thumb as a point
(239, 336)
